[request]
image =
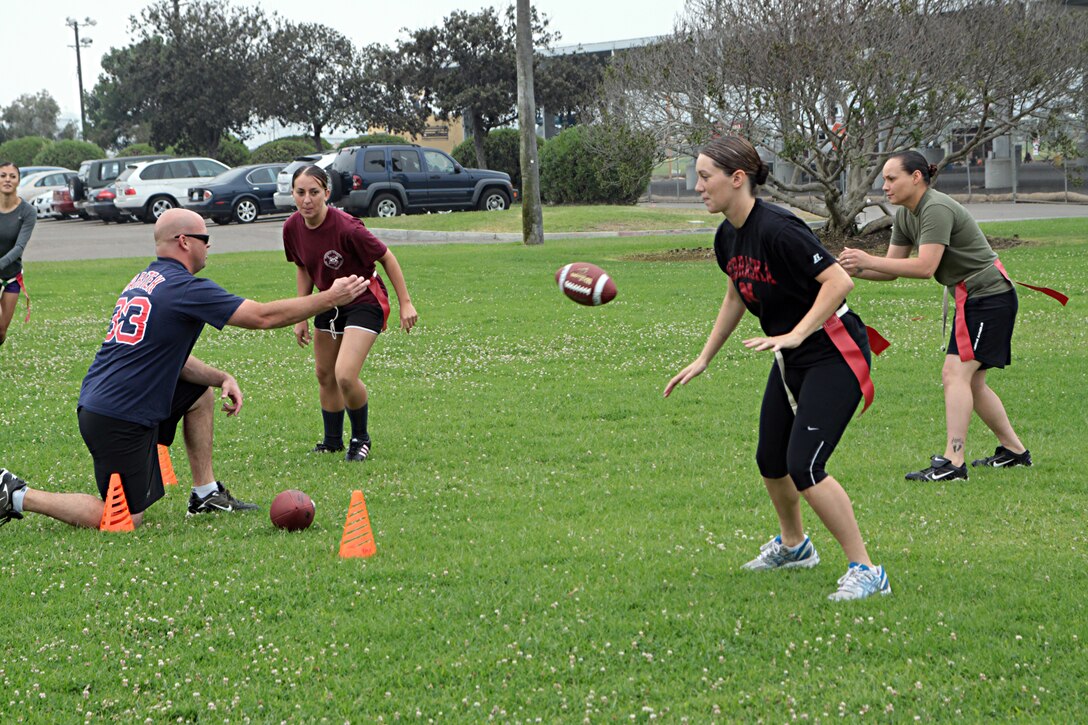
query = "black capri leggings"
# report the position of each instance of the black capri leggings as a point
(801, 444)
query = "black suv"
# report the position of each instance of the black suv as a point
(97, 174)
(387, 180)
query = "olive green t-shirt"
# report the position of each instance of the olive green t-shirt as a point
(968, 256)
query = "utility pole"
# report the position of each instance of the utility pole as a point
(75, 25)
(532, 219)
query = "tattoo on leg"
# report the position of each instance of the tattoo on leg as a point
(957, 444)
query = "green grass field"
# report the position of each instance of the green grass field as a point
(555, 542)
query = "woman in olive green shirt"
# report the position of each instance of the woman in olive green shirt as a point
(954, 251)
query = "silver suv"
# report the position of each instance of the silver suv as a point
(147, 189)
(282, 198)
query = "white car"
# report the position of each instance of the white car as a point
(43, 183)
(147, 189)
(282, 198)
(43, 206)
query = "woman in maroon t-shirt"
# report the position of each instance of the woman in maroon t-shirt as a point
(326, 243)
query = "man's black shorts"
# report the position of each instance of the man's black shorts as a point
(990, 322)
(130, 450)
(365, 317)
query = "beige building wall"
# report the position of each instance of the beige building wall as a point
(442, 135)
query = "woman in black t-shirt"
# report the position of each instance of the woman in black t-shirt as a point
(781, 274)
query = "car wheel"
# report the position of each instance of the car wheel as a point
(385, 205)
(157, 207)
(222, 220)
(494, 200)
(246, 211)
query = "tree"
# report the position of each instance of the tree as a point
(830, 89)
(467, 66)
(317, 84)
(190, 74)
(21, 151)
(568, 85)
(532, 218)
(68, 154)
(31, 115)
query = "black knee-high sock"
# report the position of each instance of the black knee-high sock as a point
(334, 427)
(358, 422)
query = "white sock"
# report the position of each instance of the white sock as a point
(206, 489)
(17, 500)
(795, 548)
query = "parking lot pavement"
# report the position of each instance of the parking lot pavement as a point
(77, 239)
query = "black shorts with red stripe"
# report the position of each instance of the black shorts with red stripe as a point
(990, 322)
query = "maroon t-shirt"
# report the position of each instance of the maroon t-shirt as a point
(340, 247)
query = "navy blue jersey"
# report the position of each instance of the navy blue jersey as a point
(773, 260)
(156, 323)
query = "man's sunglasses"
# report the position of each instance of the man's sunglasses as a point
(202, 237)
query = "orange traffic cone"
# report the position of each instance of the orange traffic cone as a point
(358, 540)
(115, 515)
(166, 467)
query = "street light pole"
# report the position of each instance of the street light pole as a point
(75, 25)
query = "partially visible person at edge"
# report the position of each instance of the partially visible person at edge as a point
(17, 219)
(781, 273)
(954, 251)
(326, 244)
(145, 379)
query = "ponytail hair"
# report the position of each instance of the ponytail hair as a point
(733, 153)
(913, 161)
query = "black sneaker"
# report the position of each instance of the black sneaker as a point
(1004, 458)
(326, 447)
(220, 500)
(940, 469)
(358, 450)
(9, 484)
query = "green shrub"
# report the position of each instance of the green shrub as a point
(373, 138)
(21, 151)
(232, 152)
(605, 164)
(137, 149)
(68, 154)
(503, 149)
(281, 150)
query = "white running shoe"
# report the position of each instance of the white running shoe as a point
(775, 555)
(861, 581)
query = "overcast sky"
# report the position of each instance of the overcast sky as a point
(38, 44)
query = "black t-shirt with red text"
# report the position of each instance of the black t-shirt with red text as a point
(773, 260)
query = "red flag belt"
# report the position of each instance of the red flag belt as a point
(853, 355)
(963, 338)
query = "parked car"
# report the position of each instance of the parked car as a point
(389, 179)
(102, 206)
(43, 206)
(42, 183)
(63, 208)
(97, 174)
(28, 170)
(282, 198)
(147, 189)
(240, 195)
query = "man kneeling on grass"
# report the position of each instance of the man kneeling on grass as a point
(145, 379)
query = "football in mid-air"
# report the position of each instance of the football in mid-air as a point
(586, 284)
(292, 510)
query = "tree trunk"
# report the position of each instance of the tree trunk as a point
(532, 217)
(478, 137)
(318, 128)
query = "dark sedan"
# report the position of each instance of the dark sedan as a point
(240, 194)
(101, 205)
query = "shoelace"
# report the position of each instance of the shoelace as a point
(852, 580)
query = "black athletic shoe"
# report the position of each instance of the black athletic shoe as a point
(324, 447)
(358, 450)
(1004, 458)
(220, 500)
(9, 484)
(940, 469)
